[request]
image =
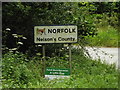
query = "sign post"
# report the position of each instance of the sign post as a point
(44, 61)
(55, 34)
(70, 58)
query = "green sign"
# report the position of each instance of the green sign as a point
(57, 71)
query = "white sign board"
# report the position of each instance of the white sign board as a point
(51, 77)
(55, 34)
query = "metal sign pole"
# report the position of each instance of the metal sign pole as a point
(70, 57)
(44, 59)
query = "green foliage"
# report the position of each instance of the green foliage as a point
(19, 72)
(107, 37)
(16, 43)
(21, 17)
(14, 70)
(26, 70)
(103, 20)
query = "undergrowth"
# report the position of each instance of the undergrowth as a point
(107, 37)
(20, 72)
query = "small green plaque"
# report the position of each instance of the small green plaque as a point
(57, 71)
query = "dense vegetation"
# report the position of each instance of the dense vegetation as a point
(22, 65)
(20, 72)
(107, 37)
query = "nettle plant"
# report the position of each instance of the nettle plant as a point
(11, 41)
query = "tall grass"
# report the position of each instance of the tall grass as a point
(20, 72)
(107, 37)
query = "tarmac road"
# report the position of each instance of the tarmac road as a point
(109, 55)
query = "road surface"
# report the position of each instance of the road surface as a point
(109, 55)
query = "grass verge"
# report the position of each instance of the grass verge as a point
(107, 37)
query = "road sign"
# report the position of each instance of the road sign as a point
(52, 73)
(55, 34)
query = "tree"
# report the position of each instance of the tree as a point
(21, 17)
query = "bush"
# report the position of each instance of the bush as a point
(14, 71)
